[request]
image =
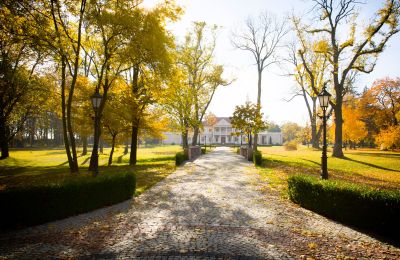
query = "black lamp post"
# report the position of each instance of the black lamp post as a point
(324, 98)
(96, 101)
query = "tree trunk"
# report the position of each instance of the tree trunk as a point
(3, 139)
(63, 116)
(185, 143)
(337, 148)
(84, 145)
(255, 142)
(195, 135)
(101, 146)
(314, 135)
(134, 143)
(112, 150)
(126, 148)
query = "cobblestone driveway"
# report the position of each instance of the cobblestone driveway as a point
(211, 208)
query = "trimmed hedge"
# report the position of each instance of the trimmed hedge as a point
(180, 157)
(257, 158)
(360, 206)
(34, 205)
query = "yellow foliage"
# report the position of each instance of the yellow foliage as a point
(389, 138)
(321, 46)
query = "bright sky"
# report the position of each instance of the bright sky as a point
(228, 14)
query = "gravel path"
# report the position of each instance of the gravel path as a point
(211, 208)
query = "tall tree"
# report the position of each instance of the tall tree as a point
(196, 58)
(338, 17)
(261, 37)
(19, 59)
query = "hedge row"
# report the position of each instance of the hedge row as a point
(360, 206)
(33, 205)
(257, 158)
(180, 157)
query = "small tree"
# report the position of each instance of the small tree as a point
(247, 119)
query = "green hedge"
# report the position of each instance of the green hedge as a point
(180, 157)
(360, 206)
(257, 158)
(33, 205)
(203, 150)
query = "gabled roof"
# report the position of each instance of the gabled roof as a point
(227, 119)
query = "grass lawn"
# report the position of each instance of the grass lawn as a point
(38, 166)
(371, 167)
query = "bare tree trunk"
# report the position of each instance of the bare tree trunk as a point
(134, 145)
(126, 148)
(84, 145)
(185, 143)
(112, 150)
(3, 138)
(195, 135)
(314, 135)
(63, 116)
(337, 148)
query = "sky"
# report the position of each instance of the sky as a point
(276, 87)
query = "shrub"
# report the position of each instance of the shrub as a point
(257, 158)
(180, 157)
(290, 146)
(203, 150)
(364, 207)
(31, 205)
(238, 150)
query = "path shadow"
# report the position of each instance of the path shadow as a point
(371, 165)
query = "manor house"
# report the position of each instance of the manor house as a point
(222, 133)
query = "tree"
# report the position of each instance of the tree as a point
(385, 94)
(149, 53)
(290, 131)
(248, 120)
(354, 129)
(389, 138)
(196, 58)
(338, 18)
(177, 101)
(262, 38)
(19, 81)
(210, 120)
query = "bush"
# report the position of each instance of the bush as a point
(257, 158)
(290, 146)
(364, 207)
(180, 157)
(238, 150)
(203, 150)
(33, 205)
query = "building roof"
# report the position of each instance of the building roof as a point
(228, 119)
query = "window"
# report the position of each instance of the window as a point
(229, 129)
(210, 130)
(217, 129)
(236, 139)
(229, 139)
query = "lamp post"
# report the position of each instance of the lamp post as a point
(96, 101)
(324, 98)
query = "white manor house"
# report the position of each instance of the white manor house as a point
(221, 133)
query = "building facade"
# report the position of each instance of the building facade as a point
(222, 133)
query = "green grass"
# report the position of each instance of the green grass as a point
(27, 167)
(379, 169)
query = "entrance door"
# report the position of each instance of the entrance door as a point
(223, 139)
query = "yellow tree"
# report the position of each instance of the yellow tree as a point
(196, 57)
(354, 129)
(357, 52)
